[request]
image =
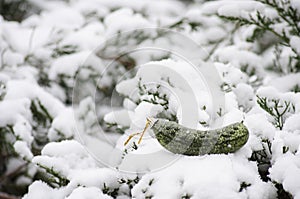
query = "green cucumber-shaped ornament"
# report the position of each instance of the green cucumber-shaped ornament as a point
(182, 140)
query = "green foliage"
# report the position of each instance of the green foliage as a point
(263, 159)
(243, 186)
(6, 147)
(186, 196)
(281, 193)
(113, 192)
(276, 108)
(278, 30)
(263, 24)
(156, 96)
(41, 123)
(64, 50)
(130, 183)
(52, 177)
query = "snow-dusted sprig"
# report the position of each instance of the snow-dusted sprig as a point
(187, 24)
(276, 109)
(156, 96)
(113, 192)
(286, 14)
(6, 147)
(263, 158)
(64, 50)
(116, 47)
(52, 177)
(40, 113)
(182, 23)
(7, 152)
(41, 123)
(130, 183)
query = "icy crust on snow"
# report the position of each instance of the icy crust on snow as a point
(215, 176)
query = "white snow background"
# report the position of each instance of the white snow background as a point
(42, 55)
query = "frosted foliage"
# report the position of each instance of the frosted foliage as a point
(78, 77)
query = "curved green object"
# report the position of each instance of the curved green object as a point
(181, 140)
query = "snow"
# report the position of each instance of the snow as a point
(122, 117)
(90, 6)
(64, 157)
(63, 17)
(22, 149)
(87, 37)
(286, 171)
(59, 126)
(144, 110)
(39, 188)
(164, 7)
(239, 58)
(194, 89)
(14, 110)
(57, 149)
(25, 39)
(12, 58)
(291, 123)
(286, 83)
(97, 177)
(215, 34)
(216, 176)
(245, 95)
(273, 93)
(231, 8)
(185, 92)
(23, 89)
(260, 126)
(70, 64)
(23, 130)
(295, 44)
(87, 193)
(295, 4)
(133, 21)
